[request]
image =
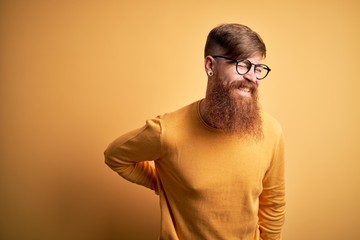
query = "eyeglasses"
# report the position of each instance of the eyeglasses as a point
(244, 66)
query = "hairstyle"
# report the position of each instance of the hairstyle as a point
(234, 41)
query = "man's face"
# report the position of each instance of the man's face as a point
(232, 99)
(225, 72)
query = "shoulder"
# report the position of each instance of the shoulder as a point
(271, 125)
(180, 115)
(175, 119)
(170, 127)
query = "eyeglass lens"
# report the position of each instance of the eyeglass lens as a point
(244, 67)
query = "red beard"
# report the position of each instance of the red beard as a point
(227, 110)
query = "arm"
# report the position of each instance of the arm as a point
(272, 199)
(129, 155)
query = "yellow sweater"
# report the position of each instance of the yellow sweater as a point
(211, 185)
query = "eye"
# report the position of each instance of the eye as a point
(259, 69)
(243, 66)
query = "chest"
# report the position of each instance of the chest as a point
(206, 167)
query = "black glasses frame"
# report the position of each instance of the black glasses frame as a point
(264, 66)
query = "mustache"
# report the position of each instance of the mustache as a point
(243, 84)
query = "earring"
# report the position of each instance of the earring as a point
(210, 73)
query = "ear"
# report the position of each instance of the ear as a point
(209, 64)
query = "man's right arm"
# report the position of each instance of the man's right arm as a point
(129, 155)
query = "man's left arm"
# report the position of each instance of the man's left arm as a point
(272, 199)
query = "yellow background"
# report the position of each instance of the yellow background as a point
(74, 75)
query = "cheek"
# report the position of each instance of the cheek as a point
(228, 73)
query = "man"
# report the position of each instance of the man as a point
(219, 162)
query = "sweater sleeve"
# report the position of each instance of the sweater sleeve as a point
(272, 199)
(129, 155)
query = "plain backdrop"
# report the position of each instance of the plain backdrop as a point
(74, 75)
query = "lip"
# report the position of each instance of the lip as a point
(243, 91)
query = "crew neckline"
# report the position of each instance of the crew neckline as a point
(202, 121)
